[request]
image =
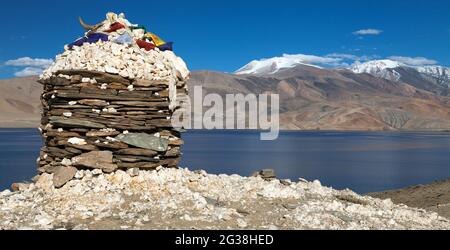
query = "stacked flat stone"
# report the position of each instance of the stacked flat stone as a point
(108, 106)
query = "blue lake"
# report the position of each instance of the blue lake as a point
(361, 161)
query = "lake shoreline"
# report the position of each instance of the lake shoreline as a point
(433, 196)
(363, 162)
(285, 130)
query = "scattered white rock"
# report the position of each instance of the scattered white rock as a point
(107, 130)
(175, 198)
(109, 110)
(241, 223)
(86, 80)
(65, 76)
(111, 139)
(317, 183)
(5, 193)
(66, 162)
(109, 57)
(133, 172)
(97, 172)
(79, 174)
(110, 69)
(302, 180)
(77, 141)
(43, 220)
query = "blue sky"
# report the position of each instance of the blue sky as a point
(224, 35)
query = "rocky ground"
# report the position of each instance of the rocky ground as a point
(182, 199)
(432, 197)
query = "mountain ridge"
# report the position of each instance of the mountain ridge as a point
(385, 68)
(328, 99)
(311, 98)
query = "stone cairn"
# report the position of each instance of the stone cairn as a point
(107, 103)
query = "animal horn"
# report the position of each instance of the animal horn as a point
(88, 27)
(85, 26)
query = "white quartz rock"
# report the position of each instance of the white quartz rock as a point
(110, 69)
(130, 62)
(77, 141)
(66, 162)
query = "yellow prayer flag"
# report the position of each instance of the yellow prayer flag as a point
(156, 40)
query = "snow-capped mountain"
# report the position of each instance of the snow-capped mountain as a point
(379, 68)
(275, 64)
(389, 69)
(439, 73)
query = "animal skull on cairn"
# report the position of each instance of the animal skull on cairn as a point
(108, 101)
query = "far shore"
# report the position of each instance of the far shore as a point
(2, 126)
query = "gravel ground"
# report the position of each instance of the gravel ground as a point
(182, 199)
(432, 197)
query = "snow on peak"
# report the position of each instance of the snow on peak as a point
(437, 71)
(273, 65)
(374, 66)
(386, 69)
(441, 74)
(378, 68)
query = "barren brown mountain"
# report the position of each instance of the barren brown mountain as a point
(328, 99)
(310, 99)
(20, 102)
